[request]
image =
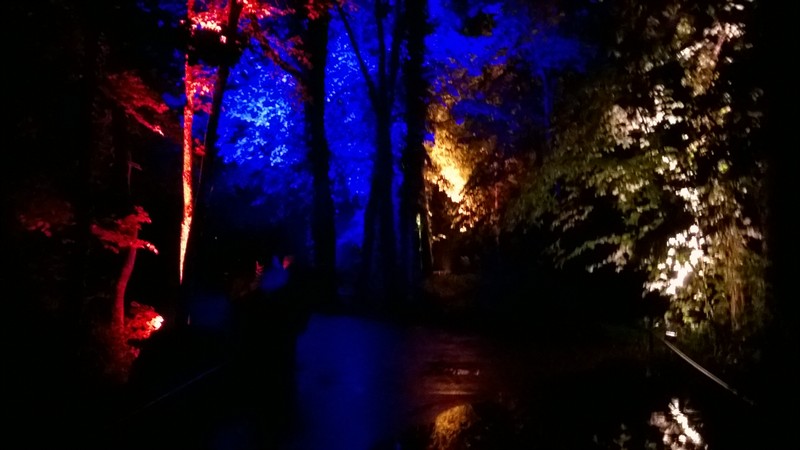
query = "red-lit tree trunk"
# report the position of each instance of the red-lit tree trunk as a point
(197, 207)
(121, 182)
(118, 318)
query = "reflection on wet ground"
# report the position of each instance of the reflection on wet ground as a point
(363, 384)
(367, 384)
(679, 426)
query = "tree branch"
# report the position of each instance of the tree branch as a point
(373, 93)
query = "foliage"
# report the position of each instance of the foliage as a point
(261, 137)
(123, 233)
(144, 320)
(656, 163)
(46, 214)
(488, 103)
(116, 352)
(138, 100)
(350, 122)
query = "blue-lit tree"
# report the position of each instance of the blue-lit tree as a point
(377, 45)
(267, 134)
(307, 30)
(294, 39)
(377, 117)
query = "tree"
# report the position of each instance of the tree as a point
(379, 249)
(323, 230)
(78, 134)
(491, 105)
(214, 41)
(128, 107)
(269, 107)
(659, 154)
(292, 40)
(414, 227)
(123, 236)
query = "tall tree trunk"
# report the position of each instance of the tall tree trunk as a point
(379, 277)
(195, 264)
(323, 231)
(378, 274)
(187, 167)
(196, 239)
(414, 237)
(383, 178)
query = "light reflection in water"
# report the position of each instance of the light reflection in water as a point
(679, 427)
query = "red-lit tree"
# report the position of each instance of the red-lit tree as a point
(85, 116)
(213, 48)
(126, 107)
(122, 236)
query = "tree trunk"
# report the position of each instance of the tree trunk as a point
(379, 277)
(187, 167)
(323, 231)
(118, 317)
(193, 269)
(378, 272)
(415, 246)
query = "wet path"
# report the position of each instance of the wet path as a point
(362, 383)
(365, 384)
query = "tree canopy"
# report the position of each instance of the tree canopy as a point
(658, 162)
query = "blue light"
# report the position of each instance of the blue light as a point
(262, 141)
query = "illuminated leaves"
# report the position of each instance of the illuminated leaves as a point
(138, 100)
(492, 93)
(46, 215)
(655, 142)
(123, 233)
